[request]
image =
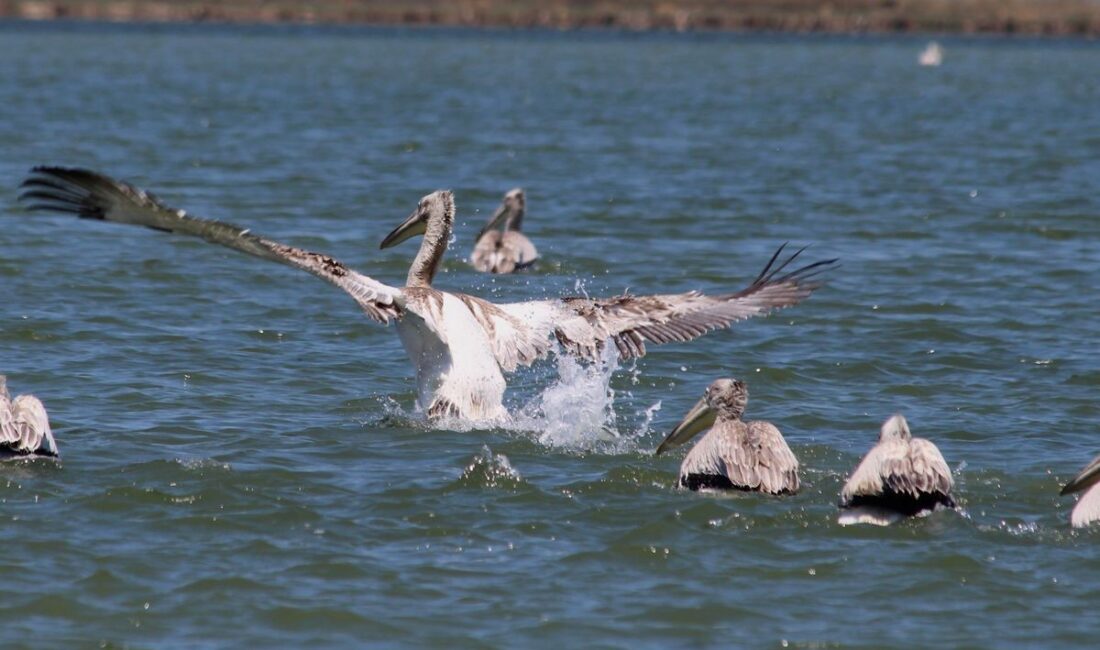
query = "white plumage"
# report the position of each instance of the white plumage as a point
(1087, 509)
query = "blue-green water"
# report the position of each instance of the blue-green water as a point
(244, 466)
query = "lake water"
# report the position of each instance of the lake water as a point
(243, 462)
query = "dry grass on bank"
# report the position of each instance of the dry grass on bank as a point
(1054, 17)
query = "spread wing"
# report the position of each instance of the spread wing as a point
(514, 343)
(90, 195)
(24, 427)
(583, 325)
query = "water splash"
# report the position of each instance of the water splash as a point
(576, 409)
(489, 470)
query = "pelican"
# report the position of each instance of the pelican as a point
(24, 427)
(508, 250)
(900, 477)
(459, 344)
(1087, 509)
(734, 454)
(932, 55)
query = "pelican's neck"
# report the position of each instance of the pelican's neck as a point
(514, 221)
(430, 254)
(726, 419)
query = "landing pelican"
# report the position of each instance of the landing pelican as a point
(900, 477)
(507, 251)
(24, 427)
(1087, 509)
(459, 344)
(734, 454)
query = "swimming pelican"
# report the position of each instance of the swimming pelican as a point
(932, 55)
(459, 344)
(507, 251)
(24, 427)
(1087, 509)
(900, 477)
(734, 454)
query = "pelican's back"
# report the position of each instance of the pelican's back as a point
(738, 455)
(25, 428)
(503, 252)
(902, 476)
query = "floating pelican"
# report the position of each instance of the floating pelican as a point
(1087, 509)
(734, 454)
(459, 344)
(932, 55)
(900, 477)
(507, 251)
(24, 427)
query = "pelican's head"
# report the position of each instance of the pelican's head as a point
(896, 428)
(433, 216)
(725, 398)
(510, 212)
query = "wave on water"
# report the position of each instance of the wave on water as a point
(489, 470)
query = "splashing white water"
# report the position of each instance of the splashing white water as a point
(576, 410)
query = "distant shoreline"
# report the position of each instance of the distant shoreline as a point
(1075, 18)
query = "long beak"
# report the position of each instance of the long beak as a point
(1086, 479)
(494, 221)
(700, 418)
(410, 227)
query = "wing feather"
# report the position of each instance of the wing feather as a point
(928, 472)
(24, 426)
(778, 466)
(513, 343)
(503, 252)
(33, 426)
(913, 467)
(583, 325)
(91, 195)
(752, 455)
(885, 458)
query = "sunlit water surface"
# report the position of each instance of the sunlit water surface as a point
(244, 464)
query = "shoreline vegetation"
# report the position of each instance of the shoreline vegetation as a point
(1028, 17)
